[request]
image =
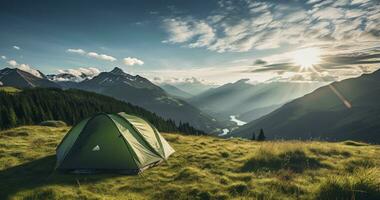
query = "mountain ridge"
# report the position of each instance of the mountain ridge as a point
(123, 86)
(21, 79)
(240, 97)
(322, 114)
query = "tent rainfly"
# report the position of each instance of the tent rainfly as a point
(119, 143)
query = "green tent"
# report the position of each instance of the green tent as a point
(113, 142)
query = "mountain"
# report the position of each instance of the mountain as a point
(32, 106)
(140, 91)
(21, 79)
(323, 114)
(257, 113)
(240, 97)
(193, 86)
(176, 92)
(133, 89)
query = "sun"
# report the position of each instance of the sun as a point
(306, 58)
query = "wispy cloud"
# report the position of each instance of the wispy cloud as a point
(129, 61)
(3, 57)
(78, 51)
(16, 47)
(101, 56)
(183, 30)
(333, 67)
(92, 54)
(240, 26)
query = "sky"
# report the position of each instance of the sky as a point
(213, 41)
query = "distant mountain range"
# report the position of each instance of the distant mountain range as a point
(323, 114)
(133, 89)
(174, 91)
(320, 114)
(248, 101)
(193, 86)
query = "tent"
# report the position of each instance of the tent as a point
(119, 143)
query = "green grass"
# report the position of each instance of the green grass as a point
(202, 168)
(9, 89)
(53, 123)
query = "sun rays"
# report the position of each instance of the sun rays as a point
(306, 58)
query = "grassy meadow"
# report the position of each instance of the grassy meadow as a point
(9, 89)
(202, 168)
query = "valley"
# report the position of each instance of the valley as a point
(324, 114)
(190, 100)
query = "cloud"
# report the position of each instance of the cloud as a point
(183, 30)
(181, 80)
(329, 13)
(129, 61)
(16, 47)
(101, 56)
(351, 59)
(260, 62)
(276, 67)
(92, 54)
(312, 77)
(79, 74)
(24, 67)
(12, 63)
(335, 66)
(247, 25)
(3, 57)
(78, 51)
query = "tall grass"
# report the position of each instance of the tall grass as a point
(274, 157)
(362, 184)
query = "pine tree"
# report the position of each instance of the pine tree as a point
(12, 119)
(261, 136)
(253, 136)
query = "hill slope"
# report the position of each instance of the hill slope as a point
(201, 168)
(322, 114)
(240, 97)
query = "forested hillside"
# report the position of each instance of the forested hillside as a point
(32, 106)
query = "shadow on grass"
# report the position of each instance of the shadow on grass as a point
(296, 161)
(38, 173)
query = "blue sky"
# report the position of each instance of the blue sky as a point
(172, 41)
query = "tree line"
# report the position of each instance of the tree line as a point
(260, 137)
(33, 106)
